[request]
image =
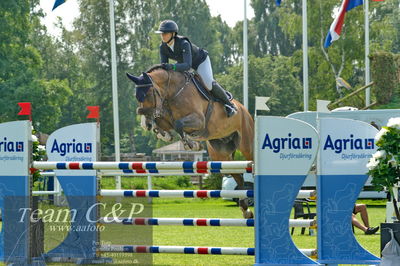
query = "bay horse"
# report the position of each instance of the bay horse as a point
(169, 101)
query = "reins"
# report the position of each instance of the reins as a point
(161, 104)
(187, 80)
(160, 100)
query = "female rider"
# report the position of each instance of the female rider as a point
(187, 55)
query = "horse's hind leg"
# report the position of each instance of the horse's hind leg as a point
(224, 151)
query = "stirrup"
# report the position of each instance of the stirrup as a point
(230, 110)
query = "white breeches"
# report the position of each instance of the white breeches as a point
(206, 73)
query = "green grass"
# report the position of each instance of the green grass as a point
(168, 182)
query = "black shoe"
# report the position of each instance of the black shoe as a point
(372, 230)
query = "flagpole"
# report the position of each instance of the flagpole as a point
(245, 60)
(305, 56)
(367, 63)
(114, 91)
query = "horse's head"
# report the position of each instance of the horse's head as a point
(143, 85)
(151, 91)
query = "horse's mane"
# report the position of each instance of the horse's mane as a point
(160, 66)
(154, 67)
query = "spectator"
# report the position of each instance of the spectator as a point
(362, 209)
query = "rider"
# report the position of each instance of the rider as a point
(187, 55)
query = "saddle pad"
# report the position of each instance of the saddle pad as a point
(204, 92)
(200, 87)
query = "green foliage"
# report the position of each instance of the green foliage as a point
(22, 78)
(273, 76)
(183, 181)
(213, 181)
(271, 37)
(38, 154)
(173, 182)
(158, 182)
(384, 73)
(384, 166)
(345, 57)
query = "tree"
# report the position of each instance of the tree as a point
(344, 58)
(92, 38)
(272, 76)
(20, 67)
(270, 36)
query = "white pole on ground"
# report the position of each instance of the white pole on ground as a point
(114, 90)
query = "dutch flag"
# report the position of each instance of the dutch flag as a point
(337, 24)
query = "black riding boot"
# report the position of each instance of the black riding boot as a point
(218, 92)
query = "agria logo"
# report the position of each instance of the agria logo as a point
(70, 147)
(351, 143)
(11, 146)
(290, 143)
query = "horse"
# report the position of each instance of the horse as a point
(169, 101)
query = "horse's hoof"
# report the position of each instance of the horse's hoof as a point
(160, 136)
(187, 146)
(247, 214)
(166, 137)
(196, 146)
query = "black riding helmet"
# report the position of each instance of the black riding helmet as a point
(167, 26)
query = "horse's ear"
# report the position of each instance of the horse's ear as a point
(133, 78)
(146, 78)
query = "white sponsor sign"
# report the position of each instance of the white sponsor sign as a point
(15, 148)
(75, 143)
(284, 146)
(346, 146)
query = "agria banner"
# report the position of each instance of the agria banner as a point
(288, 146)
(14, 187)
(345, 148)
(77, 143)
(14, 147)
(285, 150)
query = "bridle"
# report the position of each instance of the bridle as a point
(161, 105)
(161, 101)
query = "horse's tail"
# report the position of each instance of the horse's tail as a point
(246, 131)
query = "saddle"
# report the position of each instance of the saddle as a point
(201, 87)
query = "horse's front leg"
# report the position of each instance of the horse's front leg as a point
(188, 124)
(146, 123)
(162, 134)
